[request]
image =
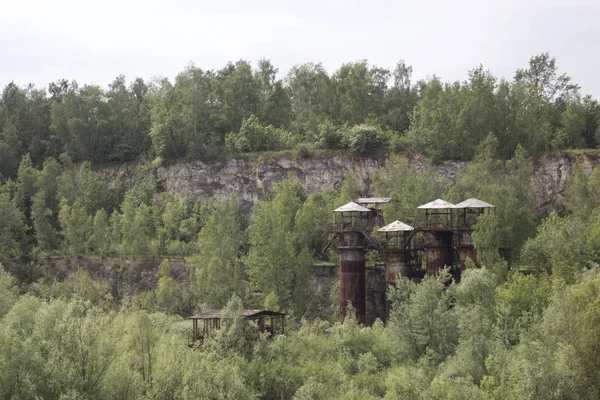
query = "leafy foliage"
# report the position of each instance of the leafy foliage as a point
(495, 334)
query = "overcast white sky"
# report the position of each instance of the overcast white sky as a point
(93, 42)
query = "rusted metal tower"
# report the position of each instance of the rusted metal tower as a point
(399, 257)
(444, 237)
(352, 224)
(395, 246)
(466, 214)
(439, 235)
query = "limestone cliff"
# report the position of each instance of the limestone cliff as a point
(252, 178)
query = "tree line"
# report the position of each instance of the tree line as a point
(240, 109)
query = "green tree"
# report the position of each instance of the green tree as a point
(12, 230)
(560, 241)
(80, 123)
(100, 238)
(253, 136)
(136, 227)
(276, 261)
(75, 228)
(274, 96)
(218, 270)
(581, 195)
(542, 76)
(360, 91)
(171, 210)
(475, 311)
(142, 229)
(349, 190)
(364, 139)
(45, 233)
(9, 151)
(422, 318)
(236, 336)
(167, 292)
(128, 119)
(506, 187)
(519, 303)
(163, 115)
(196, 113)
(85, 350)
(312, 94)
(116, 237)
(8, 291)
(238, 91)
(408, 188)
(313, 222)
(27, 177)
(400, 99)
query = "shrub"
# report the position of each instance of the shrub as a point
(364, 139)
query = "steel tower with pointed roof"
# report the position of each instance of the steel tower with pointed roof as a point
(399, 256)
(395, 246)
(438, 235)
(352, 224)
(466, 213)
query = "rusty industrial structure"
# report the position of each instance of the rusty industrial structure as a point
(204, 324)
(442, 239)
(352, 224)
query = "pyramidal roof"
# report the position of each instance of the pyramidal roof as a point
(437, 203)
(396, 226)
(351, 207)
(473, 203)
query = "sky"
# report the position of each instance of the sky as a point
(93, 42)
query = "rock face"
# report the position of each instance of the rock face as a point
(550, 176)
(252, 178)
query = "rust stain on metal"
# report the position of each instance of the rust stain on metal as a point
(352, 282)
(439, 251)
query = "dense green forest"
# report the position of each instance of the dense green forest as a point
(241, 109)
(496, 334)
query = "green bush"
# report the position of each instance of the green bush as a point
(364, 139)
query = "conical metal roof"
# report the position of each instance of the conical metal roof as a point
(351, 207)
(437, 203)
(473, 203)
(396, 226)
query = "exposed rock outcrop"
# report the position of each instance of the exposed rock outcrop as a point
(252, 178)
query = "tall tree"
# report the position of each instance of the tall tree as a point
(99, 241)
(360, 91)
(46, 234)
(312, 94)
(128, 119)
(75, 228)
(80, 123)
(197, 119)
(276, 262)
(401, 98)
(237, 92)
(165, 141)
(12, 229)
(218, 269)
